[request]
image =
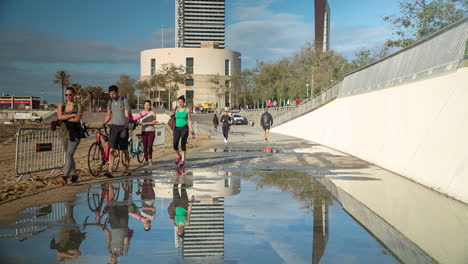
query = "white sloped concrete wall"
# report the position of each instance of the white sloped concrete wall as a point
(418, 130)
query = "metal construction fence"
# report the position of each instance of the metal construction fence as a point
(38, 149)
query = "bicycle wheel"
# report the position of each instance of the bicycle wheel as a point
(95, 160)
(140, 155)
(94, 200)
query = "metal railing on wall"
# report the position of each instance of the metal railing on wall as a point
(436, 54)
(439, 53)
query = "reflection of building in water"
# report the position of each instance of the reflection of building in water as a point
(320, 235)
(204, 237)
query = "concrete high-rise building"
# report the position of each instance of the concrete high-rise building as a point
(322, 25)
(199, 21)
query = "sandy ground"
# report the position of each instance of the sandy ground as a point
(15, 196)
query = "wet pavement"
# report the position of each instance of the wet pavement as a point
(287, 201)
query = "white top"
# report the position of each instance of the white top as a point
(148, 118)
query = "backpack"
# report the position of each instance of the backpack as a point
(132, 119)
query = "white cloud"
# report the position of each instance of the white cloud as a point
(345, 40)
(264, 35)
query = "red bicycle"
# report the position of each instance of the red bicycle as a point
(97, 156)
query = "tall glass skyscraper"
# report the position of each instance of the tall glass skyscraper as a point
(199, 21)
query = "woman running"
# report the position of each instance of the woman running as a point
(183, 125)
(70, 132)
(226, 121)
(147, 132)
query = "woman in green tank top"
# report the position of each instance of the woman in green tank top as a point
(180, 208)
(181, 131)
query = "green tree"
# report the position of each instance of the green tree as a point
(144, 86)
(419, 18)
(219, 88)
(169, 77)
(62, 78)
(364, 56)
(127, 88)
(95, 96)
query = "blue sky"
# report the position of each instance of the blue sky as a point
(96, 41)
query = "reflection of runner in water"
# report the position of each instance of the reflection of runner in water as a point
(118, 238)
(180, 209)
(71, 237)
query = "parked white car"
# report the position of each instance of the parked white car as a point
(33, 117)
(238, 119)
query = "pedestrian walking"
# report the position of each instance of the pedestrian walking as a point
(70, 133)
(226, 121)
(183, 125)
(266, 120)
(118, 113)
(148, 132)
(215, 122)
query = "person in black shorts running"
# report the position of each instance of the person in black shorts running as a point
(266, 120)
(118, 112)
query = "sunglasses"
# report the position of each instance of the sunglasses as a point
(68, 94)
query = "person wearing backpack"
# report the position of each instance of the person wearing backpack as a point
(118, 113)
(70, 133)
(266, 120)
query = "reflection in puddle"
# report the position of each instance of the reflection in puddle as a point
(281, 216)
(247, 150)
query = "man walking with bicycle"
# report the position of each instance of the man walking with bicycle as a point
(118, 112)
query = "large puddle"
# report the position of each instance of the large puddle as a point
(246, 210)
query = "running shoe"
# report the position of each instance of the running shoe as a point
(74, 178)
(177, 161)
(63, 180)
(225, 141)
(108, 175)
(182, 164)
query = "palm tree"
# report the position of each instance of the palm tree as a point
(80, 93)
(62, 78)
(94, 93)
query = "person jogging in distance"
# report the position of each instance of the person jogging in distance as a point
(226, 121)
(266, 120)
(118, 111)
(181, 131)
(215, 122)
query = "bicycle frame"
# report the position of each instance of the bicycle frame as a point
(133, 150)
(105, 153)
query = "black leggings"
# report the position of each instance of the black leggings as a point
(180, 134)
(226, 131)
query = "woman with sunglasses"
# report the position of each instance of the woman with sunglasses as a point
(70, 132)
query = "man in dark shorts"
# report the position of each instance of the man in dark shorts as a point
(118, 112)
(266, 120)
